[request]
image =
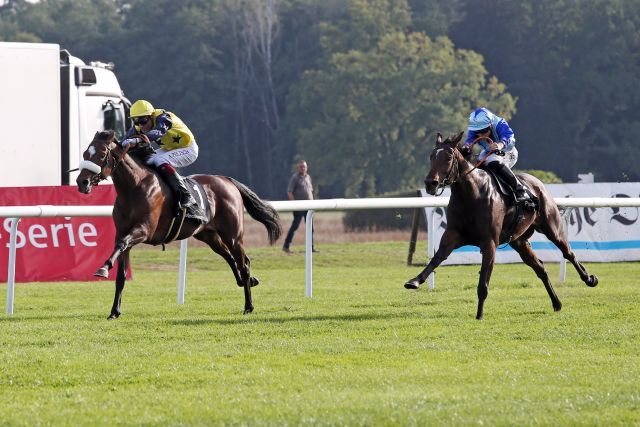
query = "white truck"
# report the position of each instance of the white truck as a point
(51, 105)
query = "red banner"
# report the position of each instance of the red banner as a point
(58, 249)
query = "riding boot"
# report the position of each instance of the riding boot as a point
(176, 183)
(508, 176)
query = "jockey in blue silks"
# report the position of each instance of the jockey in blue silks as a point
(500, 154)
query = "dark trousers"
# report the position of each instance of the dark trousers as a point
(297, 218)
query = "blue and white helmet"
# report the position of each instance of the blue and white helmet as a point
(480, 119)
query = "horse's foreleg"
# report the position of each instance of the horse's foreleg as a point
(450, 241)
(529, 257)
(103, 271)
(488, 257)
(121, 277)
(129, 240)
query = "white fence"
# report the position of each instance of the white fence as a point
(17, 212)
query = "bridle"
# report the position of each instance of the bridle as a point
(455, 167)
(110, 160)
(481, 162)
(448, 181)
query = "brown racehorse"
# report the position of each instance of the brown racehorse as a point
(477, 215)
(145, 206)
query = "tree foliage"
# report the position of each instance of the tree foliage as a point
(359, 86)
(367, 117)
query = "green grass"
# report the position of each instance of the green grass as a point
(362, 351)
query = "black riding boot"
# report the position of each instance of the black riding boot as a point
(176, 183)
(508, 176)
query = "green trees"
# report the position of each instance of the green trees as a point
(575, 67)
(369, 114)
(359, 86)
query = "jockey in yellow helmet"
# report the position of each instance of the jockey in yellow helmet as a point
(178, 147)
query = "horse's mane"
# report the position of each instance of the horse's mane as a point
(105, 134)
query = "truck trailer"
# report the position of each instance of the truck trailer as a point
(51, 105)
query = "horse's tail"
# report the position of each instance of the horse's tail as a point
(260, 211)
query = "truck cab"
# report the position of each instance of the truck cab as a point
(95, 102)
(52, 104)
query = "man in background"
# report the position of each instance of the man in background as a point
(300, 188)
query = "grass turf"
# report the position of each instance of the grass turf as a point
(363, 351)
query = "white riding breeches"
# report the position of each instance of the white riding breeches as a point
(178, 158)
(510, 157)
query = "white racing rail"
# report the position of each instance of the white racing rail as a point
(18, 212)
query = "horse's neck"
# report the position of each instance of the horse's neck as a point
(468, 182)
(127, 175)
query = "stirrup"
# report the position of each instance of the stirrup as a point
(521, 194)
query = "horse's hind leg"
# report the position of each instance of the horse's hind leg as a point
(242, 261)
(552, 228)
(237, 260)
(529, 257)
(215, 243)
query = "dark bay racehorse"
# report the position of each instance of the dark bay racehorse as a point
(478, 215)
(145, 206)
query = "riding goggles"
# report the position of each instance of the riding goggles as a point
(141, 121)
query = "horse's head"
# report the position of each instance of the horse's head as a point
(98, 161)
(444, 163)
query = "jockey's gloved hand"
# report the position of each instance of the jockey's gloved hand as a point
(130, 142)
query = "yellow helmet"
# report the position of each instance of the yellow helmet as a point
(141, 108)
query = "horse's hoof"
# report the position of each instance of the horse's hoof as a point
(248, 310)
(557, 306)
(254, 281)
(479, 317)
(113, 316)
(412, 284)
(593, 281)
(102, 272)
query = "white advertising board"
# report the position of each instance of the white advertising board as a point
(595, 234)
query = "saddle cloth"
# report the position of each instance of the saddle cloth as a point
(187, 216)
(198, 193)
(508, 194)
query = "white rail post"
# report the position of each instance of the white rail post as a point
(565, 232)
(309, 254)
(431, 230)
(182, 271)
(11, 273)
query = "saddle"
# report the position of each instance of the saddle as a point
(186, 215)
(532, 204)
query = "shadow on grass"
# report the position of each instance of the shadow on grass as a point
(280, 320)
(313, 318)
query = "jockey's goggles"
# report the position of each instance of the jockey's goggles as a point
(141, 121)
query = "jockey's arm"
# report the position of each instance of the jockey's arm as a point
(506, 137)
(163, 124)
(471, 136)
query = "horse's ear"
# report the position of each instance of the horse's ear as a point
(439, 139)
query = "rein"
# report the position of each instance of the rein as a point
(481, 162)
(115, 162)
